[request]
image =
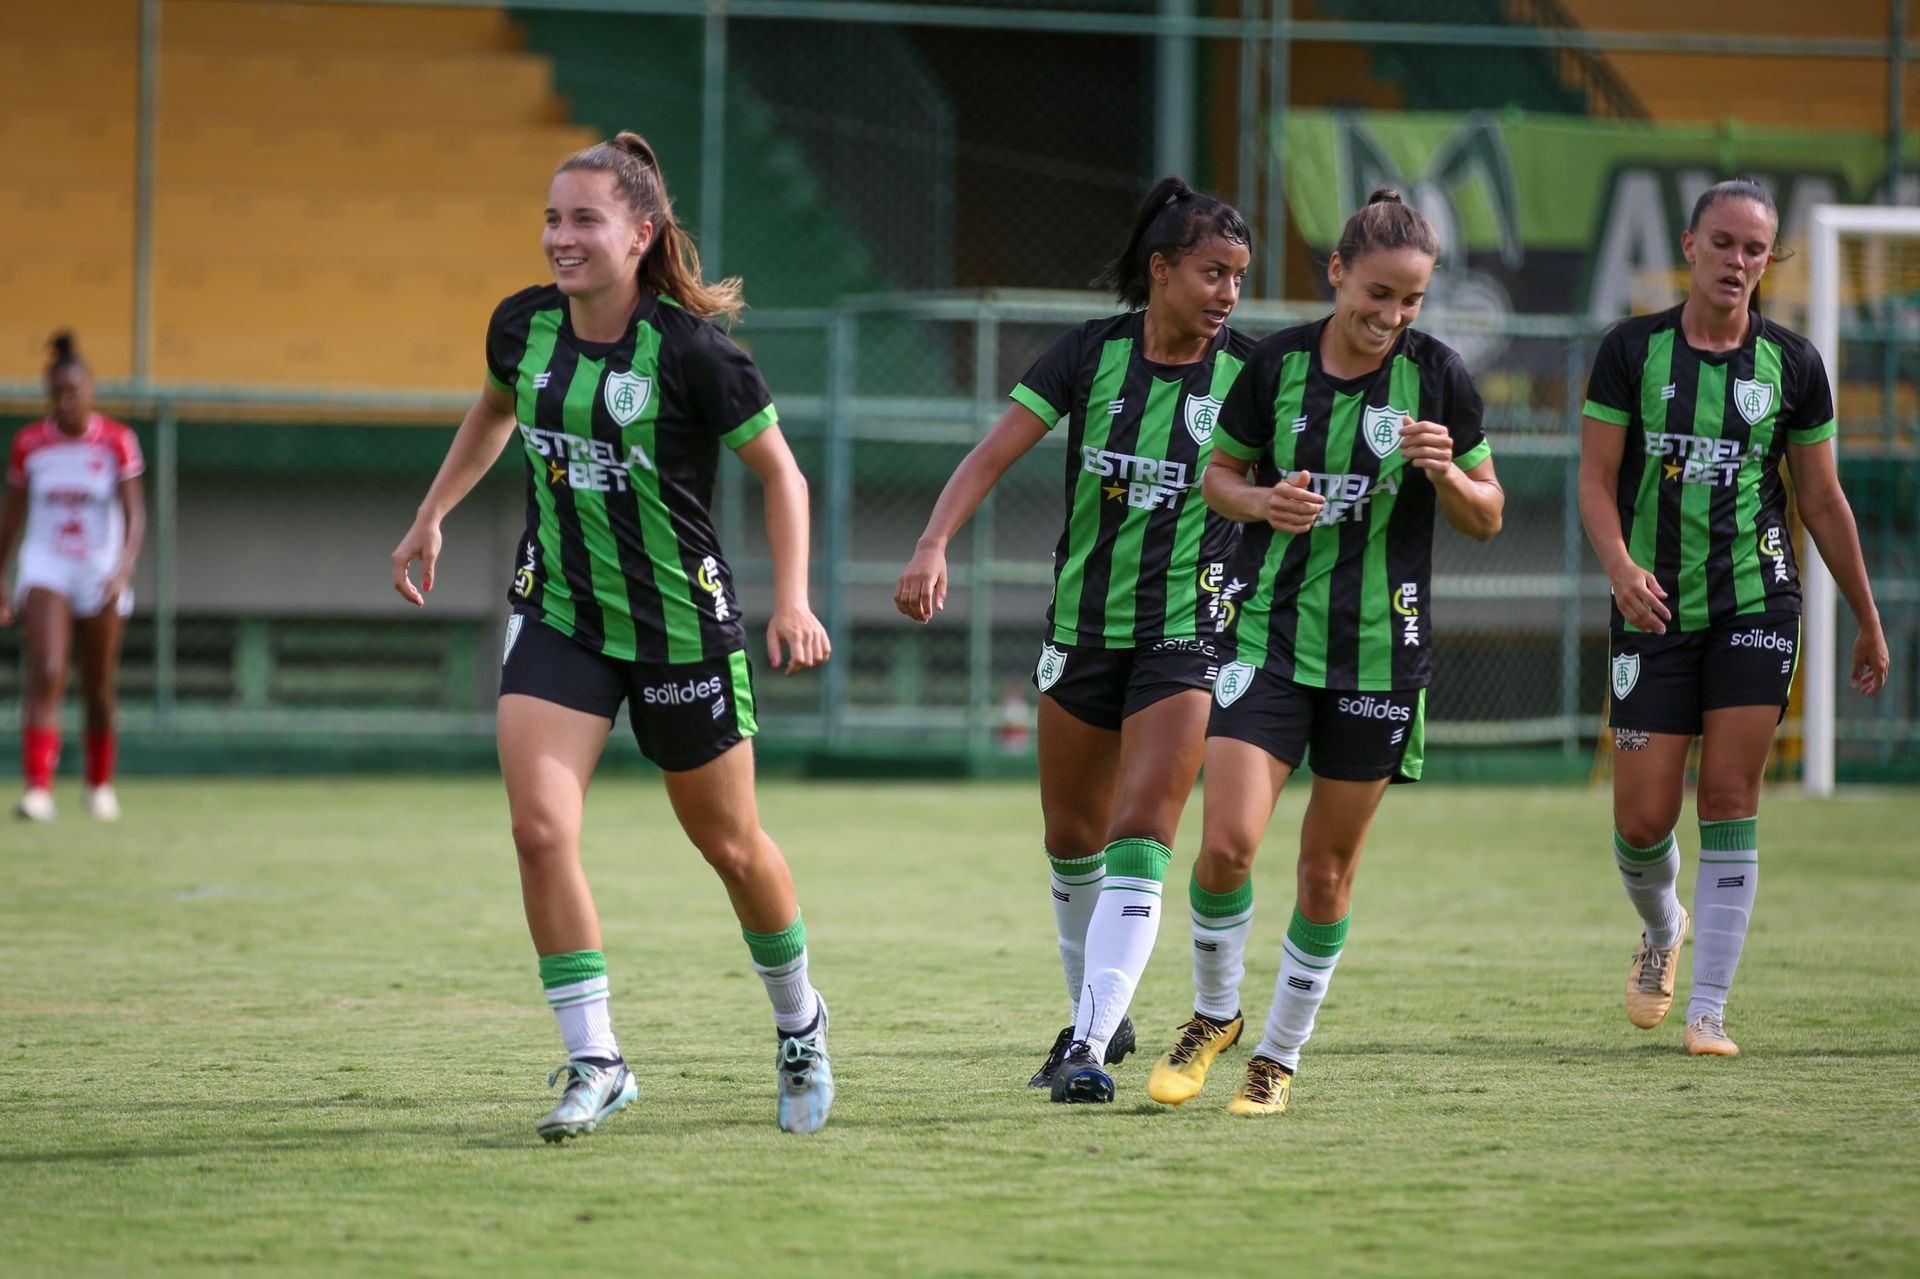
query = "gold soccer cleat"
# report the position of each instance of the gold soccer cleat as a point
(1181, 1072)
(1706, 1037)
(1264, 1090)
(1650, 979)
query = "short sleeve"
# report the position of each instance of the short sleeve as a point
(1610, 386)
(1047, 389)
(1465, 412)
(126, 454)
(506, 344)
(1244, 428)
(726, 390)
(1809, 414)
(17, 459)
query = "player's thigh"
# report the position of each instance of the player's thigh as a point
(1649, 783)
(49, 637)
(547, 757)
(1079, 776)
(715, 802)
(1161, 748)
(1339, 814)
(1734, 745)
(100, 640)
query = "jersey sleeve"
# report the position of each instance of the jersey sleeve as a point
(126, 454)
(506, 342)
(1047, 388)
(726, 389)
(1465, 413)
(1244, 428)
(17, 459)
(1610, 386)
(1809, 414)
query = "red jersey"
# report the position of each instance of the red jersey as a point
(73, 488)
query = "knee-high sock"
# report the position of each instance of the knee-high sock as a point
(1126, 920)
(576, 983)
(781, 960)
(1650, 875)
(39, 753)
(1220, 925)
(1076, 887)
(1307, 959)
(1722, 906)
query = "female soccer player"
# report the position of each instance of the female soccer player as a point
(1129, 649)
(1333, 449)
(1688, 414)
(622, 393)
(73, 483)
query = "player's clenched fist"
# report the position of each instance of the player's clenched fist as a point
(1292, 505)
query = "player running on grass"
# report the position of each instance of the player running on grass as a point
(1334, 448)
(621, 393)
(73, 487)
(1688, 415)
(1129, 650)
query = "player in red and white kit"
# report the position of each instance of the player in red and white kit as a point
(73, 483)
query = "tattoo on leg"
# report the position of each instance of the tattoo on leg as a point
(1631, 739)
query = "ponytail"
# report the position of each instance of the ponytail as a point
(1172, 220)
(670, 267)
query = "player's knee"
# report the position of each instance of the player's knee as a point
(539, 837)
(46, 674)
(1070, 841)
(1723, 801)
(101, 706)
(1153, 826)
(1323, 886)
(732, 854)
(1227, 860)
(1643, 829)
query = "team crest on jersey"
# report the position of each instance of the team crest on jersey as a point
(1202, 410)
(1381, 430)
(1753, 399)
(1053, 663)
(1626, 673)
(627, 395)
(1234, 679)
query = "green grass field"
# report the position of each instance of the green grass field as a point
(296, 1027)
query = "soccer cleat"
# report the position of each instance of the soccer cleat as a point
(592, 1093)
(101, 803)
(1650, 979)
(1706, 1037)
(1181, 1073)
(1264, 1091)
(1080, 1079)
(806, 1077)
(35, 806)
(1119, 1048)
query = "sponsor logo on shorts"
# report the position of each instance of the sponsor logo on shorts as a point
(1406, 602)
(684, 692)
(513, 633)
(1053, 664)
(1774, 549)
(1235, 678)
(1184, 646)
(1626, 673)
(1760, 637)
(1370, 707)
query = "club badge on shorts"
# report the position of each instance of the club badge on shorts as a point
(1626, 673)
(1234, 679)
(513, 633)
(1053, 663)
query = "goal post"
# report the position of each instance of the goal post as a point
(1829, 289)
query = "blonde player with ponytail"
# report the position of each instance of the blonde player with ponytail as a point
(621, 392)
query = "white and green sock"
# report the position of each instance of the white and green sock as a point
(576, 983)
(1076, 887)
(1722, 906)
(781, 960)
(1220, 925)
(1307, 959)
(1120, 938)
(1650, 875)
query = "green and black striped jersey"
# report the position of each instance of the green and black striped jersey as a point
(621, 441)
(1132, 563)
(1347, 604)
(1702, 506)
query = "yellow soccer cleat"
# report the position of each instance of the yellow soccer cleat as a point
(1650, 979)
(1264, 1091)
(1706, 1037)
(1181, 1072)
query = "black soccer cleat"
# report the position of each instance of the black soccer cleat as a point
(1119, 1048)
(1080, 1079)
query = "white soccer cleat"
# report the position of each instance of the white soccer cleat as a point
(35, 806)
(805, 1076)
(102, 804)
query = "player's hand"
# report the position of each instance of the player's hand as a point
(6, 602)
(1426, 445)
(1638, 594)
(422, 543)
(805, 639)
(1870, 661)
(1293, 507)
(115, 588)
(922, 591)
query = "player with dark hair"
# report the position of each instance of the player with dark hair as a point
(73, 491)
(1688, 415)
(621, 393)
(1129, 650)
(1334, 448)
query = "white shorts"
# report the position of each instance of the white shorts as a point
(82, 583)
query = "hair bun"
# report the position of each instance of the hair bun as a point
(637, 147)
(1385, 195)
(62, 344)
